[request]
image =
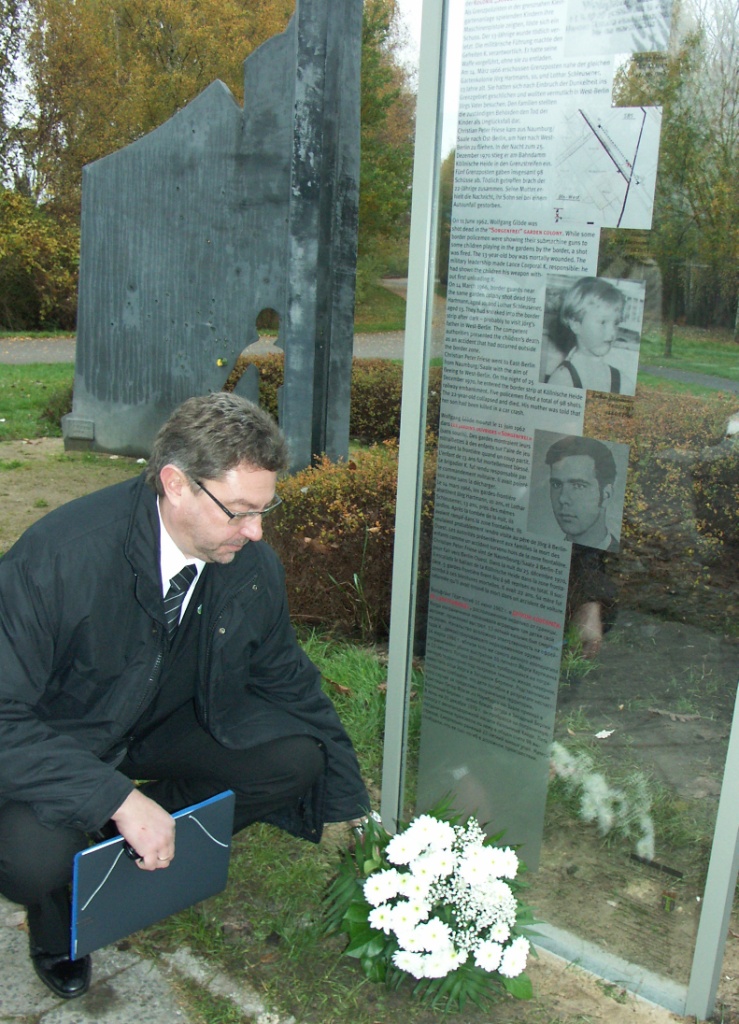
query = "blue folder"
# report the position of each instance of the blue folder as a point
(112, 897)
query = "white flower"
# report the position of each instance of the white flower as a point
(432, 864)
(410, 939)
(504, 861)
(434, 935)
(381, 918)
(495, 901)
(400, 849)
(470, 834)
(382, 886)
(500, 932)
(498, 890)
(428, 832)
(439, 963)
(514, 957)
(476, 865)
(421, 908)
(406, 915)
(411, 963)
(488, 954)
(412, 887)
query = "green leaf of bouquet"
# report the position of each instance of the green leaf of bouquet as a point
(394, 977)
(470, 982)
(374, 967)
(371, 865)
(365, 942)
(377, 945)
(519, 987)
(345, 882)
(356, 949)
(357, 911)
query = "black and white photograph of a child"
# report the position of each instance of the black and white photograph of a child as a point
(592, 329)
(577, 489)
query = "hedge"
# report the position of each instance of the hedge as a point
(376, 387)
(334, 534)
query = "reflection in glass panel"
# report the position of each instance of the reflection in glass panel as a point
(643, 715)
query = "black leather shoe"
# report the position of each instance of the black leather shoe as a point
(66, 978)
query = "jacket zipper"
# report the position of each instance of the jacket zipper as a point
(151, 682)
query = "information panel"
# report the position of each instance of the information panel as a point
(543, 162)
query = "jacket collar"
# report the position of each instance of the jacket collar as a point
(142, 549)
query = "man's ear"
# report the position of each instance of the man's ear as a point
(607, 493)
(174, 483)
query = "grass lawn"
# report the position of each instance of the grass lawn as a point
(382, 310)
(694, 350)
(26, 392)
(35, 334)
(646, 382)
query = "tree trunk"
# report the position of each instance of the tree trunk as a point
(671, 310)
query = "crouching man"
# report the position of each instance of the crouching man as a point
(145, 635)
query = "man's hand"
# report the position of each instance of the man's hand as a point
(588, 622)
(148, 828)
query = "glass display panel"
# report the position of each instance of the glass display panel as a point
(577, 613)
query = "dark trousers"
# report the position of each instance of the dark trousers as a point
(186, 765)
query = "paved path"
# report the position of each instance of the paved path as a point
(37, 350)
(685, 377)
(387, 345)
(126, 988)
(61, 350)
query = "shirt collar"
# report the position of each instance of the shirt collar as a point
(171, 559)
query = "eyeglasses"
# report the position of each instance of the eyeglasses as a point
(240, 515)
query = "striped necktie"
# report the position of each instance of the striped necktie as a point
(178, 587)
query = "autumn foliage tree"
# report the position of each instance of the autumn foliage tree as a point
(387, 116)
(10, 45)
(695, 236)
(103, 75)
(38, 266)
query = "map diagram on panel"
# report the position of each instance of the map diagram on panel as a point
(616, 26)
(606, 166)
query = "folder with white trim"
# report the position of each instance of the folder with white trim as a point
(112, 897)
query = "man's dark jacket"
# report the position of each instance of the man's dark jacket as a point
(82, 642)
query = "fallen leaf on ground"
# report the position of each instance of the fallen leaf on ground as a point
(339, 687)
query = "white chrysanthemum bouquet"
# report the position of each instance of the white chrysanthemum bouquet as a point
(436, 902)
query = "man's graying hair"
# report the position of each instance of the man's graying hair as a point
(207, 436)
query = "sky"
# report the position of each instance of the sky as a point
(411, 13)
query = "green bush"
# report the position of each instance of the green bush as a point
(335, 533)
(59, 404)
(376, 388)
